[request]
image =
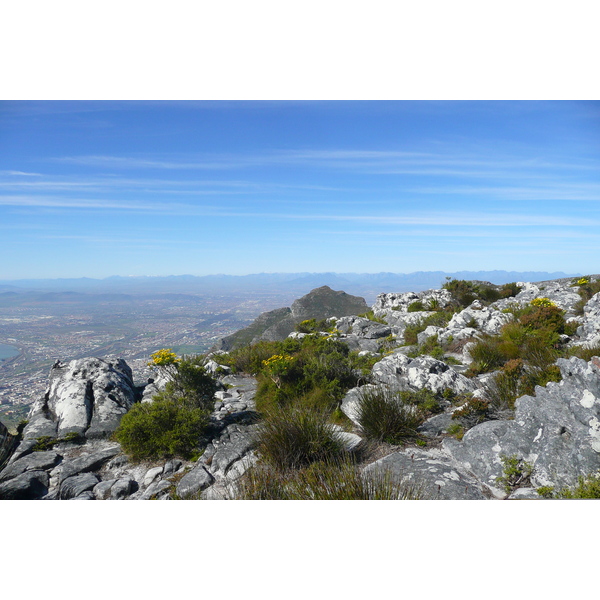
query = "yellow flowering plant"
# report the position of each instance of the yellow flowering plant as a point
(278, 366)
(542, 302)
(164, 361)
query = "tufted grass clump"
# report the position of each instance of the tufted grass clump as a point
(295, 437)
(324, 481)
(392, 416)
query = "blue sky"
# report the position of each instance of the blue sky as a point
(156, 188)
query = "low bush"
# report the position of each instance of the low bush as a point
(314, 326)
(295, 437)
(161, 429)
(516, 473)
(415, 306)
(471, 413)
(587, 488)
(190, 384)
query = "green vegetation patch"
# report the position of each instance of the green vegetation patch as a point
(392, 416)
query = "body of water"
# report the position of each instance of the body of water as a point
(8, 352)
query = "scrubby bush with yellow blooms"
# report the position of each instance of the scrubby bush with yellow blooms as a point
(165, 361)
(542, 302)
(278, 366)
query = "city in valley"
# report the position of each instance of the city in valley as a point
(46, 326)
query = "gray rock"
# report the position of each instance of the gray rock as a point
(436, 425)
(362, 328)
(87, 495)
(87, 396)
(557, 431)
(157, 490)
(73, 486)
(398, 370)
(29, 485)
(123, 488)
(431, 471)
(86, 462)
(37, 461)
(7, 443)
(152, 474)
(232, 444)
(197, 480)
(102, 489)
(589, 331)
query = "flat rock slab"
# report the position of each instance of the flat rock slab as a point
(197, 480)
(30, 485)
(76, 485)
(87, 462)
(37, 461)
(431, 471)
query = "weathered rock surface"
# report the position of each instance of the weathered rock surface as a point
(7, 443)
(29, 485)
(37, 461)
(400, 371)
(557, 431)
(589, 332)
(431, 471)
(86, 396)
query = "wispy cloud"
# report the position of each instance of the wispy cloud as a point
(426, 218)
(20, 174)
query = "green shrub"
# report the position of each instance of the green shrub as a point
(584, 352)
(587, 488)
(191, 384)
(472, 412)
(314, 326)
(509, 290)
(249, 359)
(385, 415)
(371, 316)
(516, 473)
(415, 306)
(324, 481)
(161, 429)
(294, 437)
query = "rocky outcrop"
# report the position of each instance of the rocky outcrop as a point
(86, 397)
(320, 303)
(589, 332)
(557, 431)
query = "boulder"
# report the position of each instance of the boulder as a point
(197, 480)
(36, 461)
(76, 485)
(400, 371)
(589, 331)
(29, 485)
(86, 396)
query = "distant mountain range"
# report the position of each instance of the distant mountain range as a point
(367, 285)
